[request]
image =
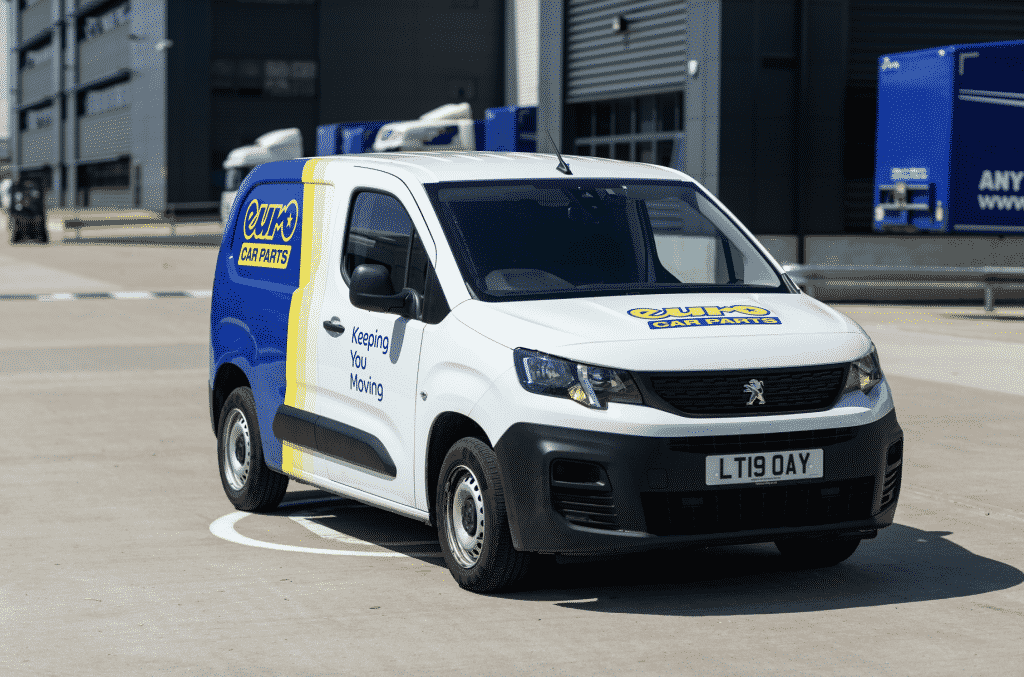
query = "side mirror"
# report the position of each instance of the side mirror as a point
(370, 289)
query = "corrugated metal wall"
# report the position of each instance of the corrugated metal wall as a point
(649, 56)
(879, 27)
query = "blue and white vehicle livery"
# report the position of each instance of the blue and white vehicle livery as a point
(539, 358)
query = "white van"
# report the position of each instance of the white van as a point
(280, 144)
(539, 357)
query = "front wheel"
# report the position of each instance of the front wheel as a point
(472, 524)
(248, 482)
(810, 553)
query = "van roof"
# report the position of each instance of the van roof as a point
(435, 167)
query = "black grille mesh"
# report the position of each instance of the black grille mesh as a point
(750, 444)
(595, 509)
(729, 510)
(722, 393)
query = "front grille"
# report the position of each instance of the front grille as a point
(585, 507)
(749, 444)
(727, 510)
(721, 393)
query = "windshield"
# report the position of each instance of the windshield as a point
(565, 238)
(233, 177)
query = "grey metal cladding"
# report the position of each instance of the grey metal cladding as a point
(35, 18)
(881, 27)
(37, 146)
(105, 135)
(104, 54)
(37, 82)
(648, 56)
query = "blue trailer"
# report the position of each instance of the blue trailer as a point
(509, 128)
(343, 138)
(950, 145)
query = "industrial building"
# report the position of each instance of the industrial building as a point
(136, 104)
(770, 103)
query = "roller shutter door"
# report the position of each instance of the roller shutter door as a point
(648, 57)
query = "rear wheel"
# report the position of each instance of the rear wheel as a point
(248, 482)
(17, 229)
(472, 524)
(40, 235)
(815, 553)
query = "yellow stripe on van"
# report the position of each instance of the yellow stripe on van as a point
(306, 305)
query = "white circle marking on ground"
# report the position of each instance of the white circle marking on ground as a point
(224, 527)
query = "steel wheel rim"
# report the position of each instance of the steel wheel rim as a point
(464, 523)
(237, 450)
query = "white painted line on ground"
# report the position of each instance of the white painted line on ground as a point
(200, 294)
(324, 531)
(129, 295)
(224, 527)
(57, 297)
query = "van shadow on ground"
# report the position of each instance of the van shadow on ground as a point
(901, 565)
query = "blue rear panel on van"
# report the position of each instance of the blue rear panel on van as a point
(257, 272)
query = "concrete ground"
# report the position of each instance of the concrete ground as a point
(110, 489)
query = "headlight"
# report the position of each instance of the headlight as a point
(865, 373)
(592, 387)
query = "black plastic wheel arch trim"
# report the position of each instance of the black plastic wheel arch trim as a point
(333, 438)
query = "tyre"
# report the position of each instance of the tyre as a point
(248, 482)
(815, 553)
(40, 235)
(17, 230)
(472, 524)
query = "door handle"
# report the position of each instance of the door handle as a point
(333, 325)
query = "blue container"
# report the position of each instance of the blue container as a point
(327, 139)
(340, 138)
(950, 146)
(511, 128)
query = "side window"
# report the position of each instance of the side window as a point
(379, 230)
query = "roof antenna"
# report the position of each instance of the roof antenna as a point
(562, 167)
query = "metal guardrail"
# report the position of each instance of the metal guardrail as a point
(986, 278)
(177, 212)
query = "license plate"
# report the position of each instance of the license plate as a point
(769, 466)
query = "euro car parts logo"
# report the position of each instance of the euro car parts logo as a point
(704, 316)
(274, 225)
(756, 390)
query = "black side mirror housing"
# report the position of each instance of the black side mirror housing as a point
(370, 289)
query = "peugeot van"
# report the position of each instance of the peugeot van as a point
(539, 355)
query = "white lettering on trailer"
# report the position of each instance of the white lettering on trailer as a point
(1000, 180)
(1003, 202)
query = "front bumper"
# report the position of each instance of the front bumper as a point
(650, 492)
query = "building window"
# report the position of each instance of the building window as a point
(113, 174)
(37, 118)
(107, 98)
(639, 129)
(97, 25)
(272, 77)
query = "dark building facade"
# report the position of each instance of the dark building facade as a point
(136, 104)
(770, 103)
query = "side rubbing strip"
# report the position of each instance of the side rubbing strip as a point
(296, 426)
(336, 439)
(333, 438)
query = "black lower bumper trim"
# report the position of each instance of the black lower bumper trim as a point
(657, 487)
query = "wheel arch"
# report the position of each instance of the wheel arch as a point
(229, 376)
(448, 428)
